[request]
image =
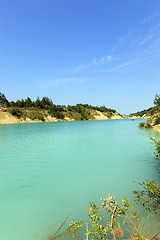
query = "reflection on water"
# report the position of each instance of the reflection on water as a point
(51, 170)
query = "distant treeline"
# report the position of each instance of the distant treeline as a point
(150, 111)
(47, 104)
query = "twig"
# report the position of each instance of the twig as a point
(155, 236)
(54, 235)
(112, 220)
(87, 231)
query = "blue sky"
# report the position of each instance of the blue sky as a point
(100, 52)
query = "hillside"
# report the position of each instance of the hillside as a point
(153, 116)
(21, 115)
(44, 110)
(146, 113)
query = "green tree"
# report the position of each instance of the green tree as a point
(157, 100)
(3, 99)
(69, 108)
(20, 103)
(60, 108)
(46, 102)
(28, 102)
(12, 104)
(79, 108)
(38, 103)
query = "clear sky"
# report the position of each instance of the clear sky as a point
(100, 52)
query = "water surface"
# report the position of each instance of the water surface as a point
(51, 170)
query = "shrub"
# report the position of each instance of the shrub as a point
(157, 145)
(16, 112)
(105, 219)
(58, 115)
(109, 115)
(83, 116)
(149, 197)
(148, 125)
(141, 125)
(38, 116)
(156, 120)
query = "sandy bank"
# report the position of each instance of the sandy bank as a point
(103, 116)
(157, 127)
(7, 118)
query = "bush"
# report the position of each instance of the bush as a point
(109, 115)
(105, 219)
(141, 125)
(156, 120)
(16, 112)
(149, 197)
(38, 116)
(157, 145)
(148, 125)
(145, 125)
(58, 115)
(83, 116)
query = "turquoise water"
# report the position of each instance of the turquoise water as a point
(52, 170)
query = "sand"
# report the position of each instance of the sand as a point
(7, 118)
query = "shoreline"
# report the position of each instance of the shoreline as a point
(7, 118)
(157, 128)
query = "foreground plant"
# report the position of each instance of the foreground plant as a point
(72, 229)
(157, 146)
(100, 226)
(149, 197)
(107, 220)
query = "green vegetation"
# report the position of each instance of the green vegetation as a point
(156, 119)
(157, 100)
(112, 219)
(3, 100)
(151, 122)
(149, 197)
(150, 111)
(146, 124)
(38, 116)
(142, 124)
(15, 112)
(41, 108)
(157, 145)
(105, 219)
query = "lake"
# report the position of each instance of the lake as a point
(49, 171)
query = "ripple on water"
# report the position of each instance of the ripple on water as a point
(51, 170)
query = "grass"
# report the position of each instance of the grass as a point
(78, 112)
